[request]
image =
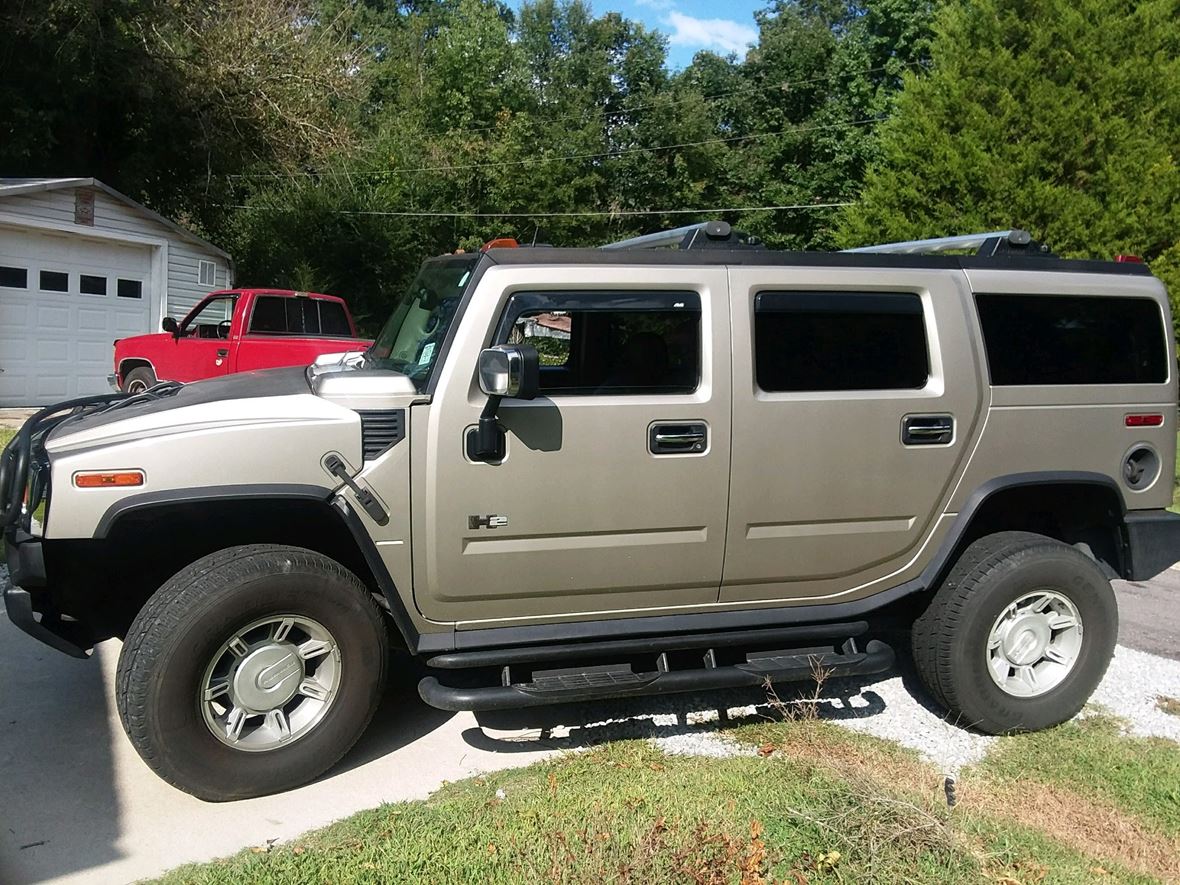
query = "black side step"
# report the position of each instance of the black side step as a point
(592, 683)
(498, 657)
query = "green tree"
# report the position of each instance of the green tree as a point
(1059, 116)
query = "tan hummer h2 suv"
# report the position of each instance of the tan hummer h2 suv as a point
(568, 474)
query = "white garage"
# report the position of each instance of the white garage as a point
(82, 265)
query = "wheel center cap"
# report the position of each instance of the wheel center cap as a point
(268, 677)
(1027, 639)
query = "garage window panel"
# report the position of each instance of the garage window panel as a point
(14, 277)
(129, 288)
(55, 281)
(90, 284)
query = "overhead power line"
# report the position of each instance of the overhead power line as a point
(715, 210)
(602, 155)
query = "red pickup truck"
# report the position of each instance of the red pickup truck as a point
(236, 331)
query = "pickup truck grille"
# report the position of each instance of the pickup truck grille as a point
(381, 430)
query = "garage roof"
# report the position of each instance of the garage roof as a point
(10, 187)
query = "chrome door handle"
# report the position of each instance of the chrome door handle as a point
(927, 430)
(677, 438)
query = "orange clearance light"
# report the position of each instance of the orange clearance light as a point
(111, 480)
(1152, 420)
(500, 243)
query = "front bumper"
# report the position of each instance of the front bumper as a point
(113, 381)
(26, 599)
(1153, 542)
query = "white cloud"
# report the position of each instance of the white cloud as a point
(708, 33)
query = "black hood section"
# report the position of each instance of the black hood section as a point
(243, 385)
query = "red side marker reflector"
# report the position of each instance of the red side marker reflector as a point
(114, 479)
(1153, 420)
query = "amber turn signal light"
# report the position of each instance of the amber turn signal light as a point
(113, 479)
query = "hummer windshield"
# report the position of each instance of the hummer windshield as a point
(413, 336)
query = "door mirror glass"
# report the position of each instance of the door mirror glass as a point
(169, 324)
(510, 370)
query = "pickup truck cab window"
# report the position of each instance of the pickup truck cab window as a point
(614, 343)
(211, 319)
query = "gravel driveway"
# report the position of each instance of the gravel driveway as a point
(77, 804)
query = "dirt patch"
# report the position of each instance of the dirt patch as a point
(1091, 828)
(1088, 827)
(1168, 704)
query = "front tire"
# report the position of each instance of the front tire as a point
(138, 380)
(251, 671)
(1019, 634)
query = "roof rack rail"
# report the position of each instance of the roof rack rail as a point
(986, 244)
(705, 235)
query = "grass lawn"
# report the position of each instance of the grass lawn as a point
(815, 803)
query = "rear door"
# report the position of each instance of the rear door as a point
(856, 396)
(612, 495)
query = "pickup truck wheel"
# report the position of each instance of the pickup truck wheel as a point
(1019, 634)
(251, 671)
(139, 380)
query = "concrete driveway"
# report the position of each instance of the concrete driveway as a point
(78, 805)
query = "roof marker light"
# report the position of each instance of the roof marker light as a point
(500, 243)
(1128, 259)
(108, 479)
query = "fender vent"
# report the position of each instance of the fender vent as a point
(381, 430)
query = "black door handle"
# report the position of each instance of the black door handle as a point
(222, 351)
(677, 439)
(927, 430)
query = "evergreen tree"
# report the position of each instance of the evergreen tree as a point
(1058, 116)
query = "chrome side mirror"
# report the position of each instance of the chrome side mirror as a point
(506, 370)
(510, 370)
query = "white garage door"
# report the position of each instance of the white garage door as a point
(64, 299)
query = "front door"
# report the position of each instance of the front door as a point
(612, 494)
(856, 401)
(203, 348)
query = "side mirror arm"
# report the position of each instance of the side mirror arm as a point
(487, 442)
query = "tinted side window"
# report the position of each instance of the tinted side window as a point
(333, 319)
(610, 343)
(1058, 339)
(269, 317)
(839, 341)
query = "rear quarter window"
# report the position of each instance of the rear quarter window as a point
(1066, 339)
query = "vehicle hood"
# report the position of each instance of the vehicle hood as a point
(186, 407)
(135, 341)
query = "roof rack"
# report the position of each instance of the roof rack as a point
(705, 235)
(985, 245)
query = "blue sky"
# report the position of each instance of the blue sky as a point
(692, 25)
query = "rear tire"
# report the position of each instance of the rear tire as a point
(996, 646)
(286, 637)
(138, 380)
